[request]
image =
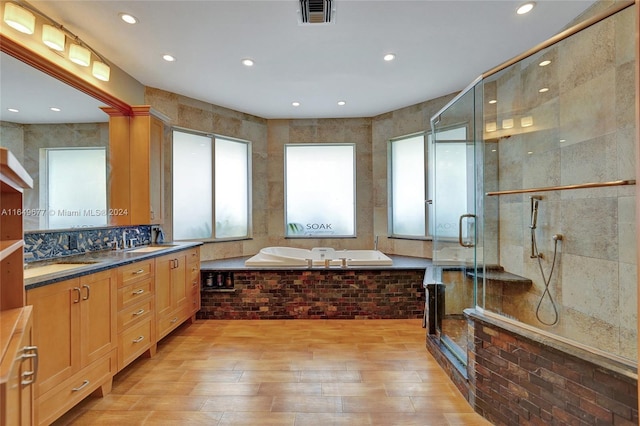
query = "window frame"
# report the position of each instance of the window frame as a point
(44, 193)
(390, 196)
(212, 137)
(354, 188)
(430, 140)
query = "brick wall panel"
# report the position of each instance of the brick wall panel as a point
(545, 386)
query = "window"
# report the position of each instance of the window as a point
(407, 211)
(412, 182)
(211, 185)
(451, 160)
(74, 187)
(320, 190)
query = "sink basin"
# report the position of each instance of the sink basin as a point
(53, 268)
(149, 249)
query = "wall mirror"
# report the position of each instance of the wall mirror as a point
(61, 136)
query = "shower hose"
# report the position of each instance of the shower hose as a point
(547, 280)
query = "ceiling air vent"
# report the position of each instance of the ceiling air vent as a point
(316, 11)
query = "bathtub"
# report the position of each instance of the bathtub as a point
(319, 256)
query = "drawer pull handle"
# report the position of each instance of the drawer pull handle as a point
(29, 377)
(173, 321)
(140, 312)
(138, 340)
(139, 271)
(195, 283)
(82, 386)
(88, 292)
(140, 291)
(77, 289)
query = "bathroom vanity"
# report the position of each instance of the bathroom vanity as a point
(95, 313)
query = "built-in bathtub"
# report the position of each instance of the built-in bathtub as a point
(317, 257)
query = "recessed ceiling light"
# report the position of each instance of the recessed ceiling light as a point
(55, 109)
(13, 110)
(493, 101)
(529, 152)
(389, 57)
(341, 103)
(247, 62)
(544, 89)
(526, 8)
(129, 19)
(295, 104)
(168, 58)
(544, 63)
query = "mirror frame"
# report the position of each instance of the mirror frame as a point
(41, 63)
(121, 118)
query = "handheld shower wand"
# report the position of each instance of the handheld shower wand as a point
(534, 225)
(534, 212)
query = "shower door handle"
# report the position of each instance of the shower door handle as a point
(462, 243)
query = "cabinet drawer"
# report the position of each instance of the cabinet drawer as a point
(193, 255)
(61, 398)
(133, 342)
(169, 322)
(134, 292)
(194, 276)
(135, 314)
(135, 272)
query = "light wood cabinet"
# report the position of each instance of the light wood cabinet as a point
(174, 289)
(13, 181)
(136, 166)
(18, 367)
(193, 280)
(136, 305)
(74, 327)
(17, 353)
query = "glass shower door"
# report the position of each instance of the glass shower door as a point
(453, 220)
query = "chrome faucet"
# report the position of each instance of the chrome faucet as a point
(375, 243)
(124, 239)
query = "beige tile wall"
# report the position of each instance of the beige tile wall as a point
(268, 137)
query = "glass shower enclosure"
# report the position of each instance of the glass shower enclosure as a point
(532, 180)
(454, 196)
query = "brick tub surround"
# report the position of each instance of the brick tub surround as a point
(358, 292)
(521, 377)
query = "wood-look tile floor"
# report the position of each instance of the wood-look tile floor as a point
(284, 373)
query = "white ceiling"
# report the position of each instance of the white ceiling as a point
(441, 46)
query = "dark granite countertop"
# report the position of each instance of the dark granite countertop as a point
(96, 261)
(237, 264)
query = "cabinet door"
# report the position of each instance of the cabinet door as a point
(17, 365)
(180, 286)
(164, 265)
(56, 326)
(156, 175)
(98, 315)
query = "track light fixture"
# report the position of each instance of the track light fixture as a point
(21, 16)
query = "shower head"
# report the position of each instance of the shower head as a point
(534, 212)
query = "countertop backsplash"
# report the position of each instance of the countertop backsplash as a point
(43, 245)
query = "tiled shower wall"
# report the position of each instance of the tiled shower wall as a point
(584, 131)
